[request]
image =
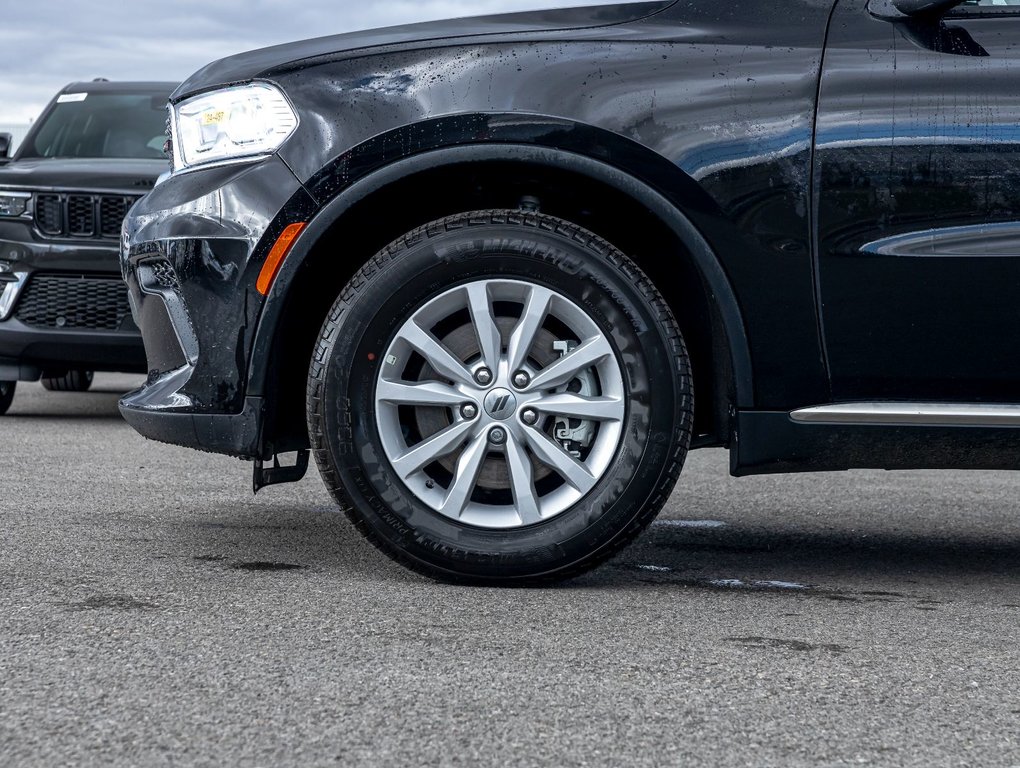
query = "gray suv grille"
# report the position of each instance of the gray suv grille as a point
(81, 215)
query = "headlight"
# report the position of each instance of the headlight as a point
(230, 124)
(13, 203)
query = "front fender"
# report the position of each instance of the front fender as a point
(561, 144)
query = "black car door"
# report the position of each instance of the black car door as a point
(917, 180)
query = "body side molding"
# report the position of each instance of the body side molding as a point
(913, 414)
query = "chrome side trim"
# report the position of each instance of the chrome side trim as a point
(987, 240)
(913, 414)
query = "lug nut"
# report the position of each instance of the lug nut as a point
(529, 417)
(469, 411)
(521, 379)
(483, 376)
(497, 436)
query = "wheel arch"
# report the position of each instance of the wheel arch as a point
(549, 149)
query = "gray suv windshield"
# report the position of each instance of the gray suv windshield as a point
(101, 125)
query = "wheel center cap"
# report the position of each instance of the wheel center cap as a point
(500, 404)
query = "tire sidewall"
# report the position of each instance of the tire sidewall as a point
(7, 391)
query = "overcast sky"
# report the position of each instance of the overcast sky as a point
(49, 43)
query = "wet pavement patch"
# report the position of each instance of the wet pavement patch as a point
(113, 602)
(768, 584)
(882, 594)
(665, 575)
(770, 643)
(267, 566)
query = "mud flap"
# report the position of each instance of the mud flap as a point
(277, 475)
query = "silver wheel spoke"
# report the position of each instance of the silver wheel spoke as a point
(522, 482)
(468, 466)
(536, 307)
(566, 368)
(489, 339)
(496, 440)
(438, 356)
(432, 448)
(429, 393)
(578, 407)
(576, 474)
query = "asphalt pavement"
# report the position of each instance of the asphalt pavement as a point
(153, 612)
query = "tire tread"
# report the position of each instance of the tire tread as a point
(683, 417)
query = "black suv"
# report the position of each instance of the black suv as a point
(64, 313)
(482, 267)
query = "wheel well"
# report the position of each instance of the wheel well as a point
(379, 219)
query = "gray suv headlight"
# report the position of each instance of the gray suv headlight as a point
(13, 204)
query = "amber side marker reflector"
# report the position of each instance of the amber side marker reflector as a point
(276, 256)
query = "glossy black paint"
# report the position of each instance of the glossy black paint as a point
(918, 183)
(726, 143)
(692, 130)
(269, 62)
(771, 443)
(527, 141)
(204, 320)
(705, 114)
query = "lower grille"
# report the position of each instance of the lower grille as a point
(92, 303)
(165, 275)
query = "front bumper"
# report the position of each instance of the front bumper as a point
(191, 253)
(62, 306)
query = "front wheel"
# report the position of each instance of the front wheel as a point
(500, 397)
(6, 395)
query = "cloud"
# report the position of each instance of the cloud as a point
(48, 43)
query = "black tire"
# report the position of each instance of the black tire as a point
(501, 244)
(72, 381)
(7, 395)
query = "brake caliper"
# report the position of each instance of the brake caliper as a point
(575, 434)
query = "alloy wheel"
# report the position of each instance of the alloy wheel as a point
(500, 403)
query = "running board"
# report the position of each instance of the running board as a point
(876, 436)
(913, 414)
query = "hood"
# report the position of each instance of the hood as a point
(263, 62)
(99, 174)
